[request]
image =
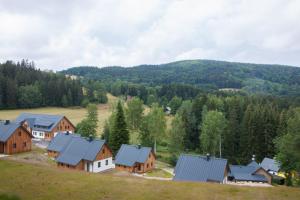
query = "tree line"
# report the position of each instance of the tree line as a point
(24, 86)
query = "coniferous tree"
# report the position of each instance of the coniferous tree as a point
(119, 134)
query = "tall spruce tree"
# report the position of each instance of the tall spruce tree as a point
(119, 134)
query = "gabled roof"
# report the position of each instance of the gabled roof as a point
(247, 173)
(76, 148)
(6, 130)
(199, 168)
(40, 122)
(270, 164)
(60, 141)
(128, 155)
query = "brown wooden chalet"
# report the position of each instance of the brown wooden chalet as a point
(44, 126)
(14, 138)
(74, 152)
(135, 159)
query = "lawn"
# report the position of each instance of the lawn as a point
(32, 182)
(159, 173)
(75, 114)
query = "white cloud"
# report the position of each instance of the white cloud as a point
(57, 34)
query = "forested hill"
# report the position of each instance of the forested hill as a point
(207, 74)
(24, 86)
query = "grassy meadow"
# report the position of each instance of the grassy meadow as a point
(28, 181)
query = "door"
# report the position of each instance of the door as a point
(88, 167)
(1, 147)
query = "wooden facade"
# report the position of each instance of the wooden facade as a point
(263, 172)
(63, 126)
(140, 167)
(19, 141)
(105, 152)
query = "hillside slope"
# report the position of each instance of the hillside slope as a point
(207, 74)
(39, 182)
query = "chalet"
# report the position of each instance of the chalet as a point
(135, 159)
(72, 151)
(44, 126)
(252, 172)
(201, 169)
(14, 138)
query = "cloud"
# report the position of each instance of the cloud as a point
(58, 34)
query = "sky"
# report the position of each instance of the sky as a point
(57, 34)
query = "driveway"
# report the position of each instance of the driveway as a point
(43, 144)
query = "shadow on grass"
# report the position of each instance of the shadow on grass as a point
(9, 197)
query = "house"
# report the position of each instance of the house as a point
(75, 152)
(14, 138)
(252, 172)
(270, 165)
(201, 169)
(135, 159)
(44, 126)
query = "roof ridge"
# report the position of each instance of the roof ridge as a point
(202, 156)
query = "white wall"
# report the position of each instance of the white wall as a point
(94, 165)
(38, 134)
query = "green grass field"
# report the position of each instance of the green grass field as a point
(32, 182)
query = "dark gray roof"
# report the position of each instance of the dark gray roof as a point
(199, 168)
(60, 141)
(246, 173)
(78, 148)
(128, 155)
(7, 130)
(40, 122)
(270, 165)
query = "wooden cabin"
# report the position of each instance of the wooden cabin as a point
(44, 126)
(201, 169)
(72, 151)
(135, 159)
(14, 138)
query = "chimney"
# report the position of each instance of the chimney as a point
(139, 146)
(6, 122)
(207, 156)
(253, 157)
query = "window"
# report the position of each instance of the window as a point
(103, 151)
(41, 134)
(151, 164)
(106, 162)
(68, 166)
(19, 133)
(99, 164)
(147, 165)
(14, 145)
(24, 144)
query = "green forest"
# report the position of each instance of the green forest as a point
(22, 85)
(205, 74)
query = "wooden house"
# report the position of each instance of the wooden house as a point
(14, 138)
(44, 126)
(252, 172)
(135, 159)
(72, 151)
(201, 169)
